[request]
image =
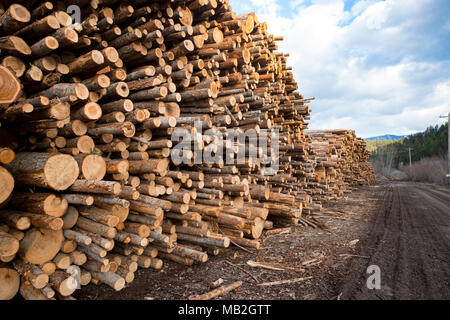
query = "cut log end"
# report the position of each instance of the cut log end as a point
(61, 171)
(8, 245)
(78, 127)
(55, 206)
(85, 144)
(9, 86)
(40, 246)
(19, 13)
(93, 167)
(6, 156)
(67, 287)
(70, 217)
(6, 185)
(9, 283)
(81, 91)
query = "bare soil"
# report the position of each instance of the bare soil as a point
(409, 240)
(403, 228)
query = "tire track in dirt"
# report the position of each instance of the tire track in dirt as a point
(409, 241)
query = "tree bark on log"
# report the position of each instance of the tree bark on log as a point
(44, 170)
(41, 203)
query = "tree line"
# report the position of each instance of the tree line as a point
(430, 143)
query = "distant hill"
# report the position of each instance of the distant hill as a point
(386, 137)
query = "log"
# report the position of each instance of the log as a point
(38, 220)
(91, 111)
(8, 244)
(9, 283)
(288, 281)
(148, 166)
(95, 227)
(28, 292)
(41, 203)
(48, 267)
(70, 217)
(177, 259)
(6, 185)
(217, 292)
(44, 170)
(62, 261)
(246, 242)
(15, 64)
(32, 273)
(61, 90)
(40, 245)
(111, 279)
(68, 246)
(89, 61)
(98, 215)
(48, 292)
(78, 258)
(44, 47)
(15, 45)
(223, 243)
(78, 237)
(96, 187)
(78, 199)
(14, 18)
(63, 283)
(190, 253)
(9, 85)
(92, 166)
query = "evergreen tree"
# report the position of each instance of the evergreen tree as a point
(430, 143)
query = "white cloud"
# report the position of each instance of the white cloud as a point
(295, 3)
(375, 15)
(360, 6)
(381, 67)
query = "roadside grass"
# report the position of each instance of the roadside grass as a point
(432, 170)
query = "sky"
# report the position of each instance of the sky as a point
(378, 67)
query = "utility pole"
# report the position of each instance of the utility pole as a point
(410, 162)
(448, 140)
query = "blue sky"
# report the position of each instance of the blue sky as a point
(374, 66)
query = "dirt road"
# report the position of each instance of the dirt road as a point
(409, 240)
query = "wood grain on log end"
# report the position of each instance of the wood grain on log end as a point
(9, 86)
(9, 283)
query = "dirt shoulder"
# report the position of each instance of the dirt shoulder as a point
(324, 255)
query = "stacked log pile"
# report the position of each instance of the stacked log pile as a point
(255, 91)
(340, 161)
(102, 109)
(9, 244)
